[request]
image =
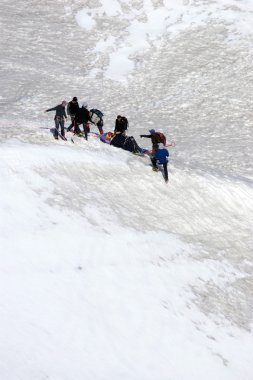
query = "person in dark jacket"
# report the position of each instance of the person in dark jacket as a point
(83, 117)
(160, 155)
(121, 124)
(60, 114)
(155, 138)
(72, 110)
(96, 117)
(119, 140)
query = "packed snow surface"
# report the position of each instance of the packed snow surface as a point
(107, 272)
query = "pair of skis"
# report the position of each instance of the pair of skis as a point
(61, 137)
(65, 138)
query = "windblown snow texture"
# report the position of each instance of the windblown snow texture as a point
(106, 271)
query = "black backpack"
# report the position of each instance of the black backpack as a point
(123, 122)
(131, 145)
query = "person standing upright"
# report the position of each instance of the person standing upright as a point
(83, 117)
(60, 115)
(160, 155)
(72, 110)
(156, 138)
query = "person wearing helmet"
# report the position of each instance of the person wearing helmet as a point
(72, 110)
(83, 117)
(60, 115)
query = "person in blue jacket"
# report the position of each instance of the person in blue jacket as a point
(160, 155)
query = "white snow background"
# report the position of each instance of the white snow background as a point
(106, 271)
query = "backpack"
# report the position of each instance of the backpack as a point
(162, 137)
(126, 143)
(96, 117)
(131, 145)
(123, 122)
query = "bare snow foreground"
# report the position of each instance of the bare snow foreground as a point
(86, 295)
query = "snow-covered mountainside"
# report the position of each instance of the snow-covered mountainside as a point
(107, 272)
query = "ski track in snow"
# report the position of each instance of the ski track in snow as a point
(103, 264)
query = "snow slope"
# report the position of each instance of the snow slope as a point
(106, 271)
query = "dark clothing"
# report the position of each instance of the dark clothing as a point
(161, 155)
(155, 139)
(165, 168)
(60, 111)
(131, 145)
(59, 119)
(96, 117)
(72, 117)
(126, 143)
(100, 126)
(118, 141)
(121, 124)
(83, 117)
(72, 108)
(117, 127)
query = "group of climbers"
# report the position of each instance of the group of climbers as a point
(118, 138)
(158, 155)
(78, 116)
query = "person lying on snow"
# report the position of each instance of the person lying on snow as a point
(119, 140)
(160, 155)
